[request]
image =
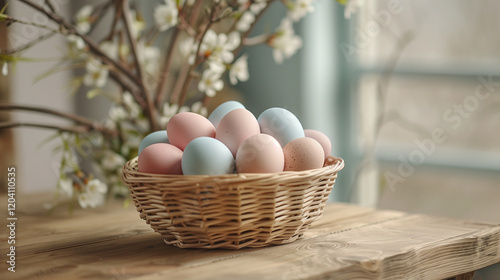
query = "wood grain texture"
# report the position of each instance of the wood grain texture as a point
(349, 242)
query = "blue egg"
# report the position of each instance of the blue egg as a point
(159, 136)
(281, 124)
(207, 156)
(221, 110)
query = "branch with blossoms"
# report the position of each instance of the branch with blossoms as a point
(200, 42)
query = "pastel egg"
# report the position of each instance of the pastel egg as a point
(321, 138)
(218, 113)
(235, 127)
(186, 126)
(207, 156)
(260, 153)
(281, 124)
(160, 158)
(303, 154)
(159, 136)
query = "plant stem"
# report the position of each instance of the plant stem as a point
(91, 125)
(75, 129)
(93, 47)
(150, 108)
(30, 44)
(166, 68)
(46, 27)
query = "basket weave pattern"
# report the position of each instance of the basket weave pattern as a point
(231, 211)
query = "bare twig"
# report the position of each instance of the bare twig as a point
(84, 122)
(75, 118)
(43, 26)
(49, 4)
(29, 44)
(93, 47)
(116, 18)
(74, 129)
(166, 68)
(150, 108)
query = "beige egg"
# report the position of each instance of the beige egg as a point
(321, 138)
(303, 154)
(235, 127)
(260, 153)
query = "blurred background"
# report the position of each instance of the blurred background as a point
(408, 92)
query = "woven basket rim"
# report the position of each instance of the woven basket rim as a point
(332, 164)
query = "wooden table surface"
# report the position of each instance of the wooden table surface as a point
(349, 242)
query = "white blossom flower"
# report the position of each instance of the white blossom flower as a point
(109, 124)
(168, 111)
(109, 48)
(117, 113)
(299, 8)
(220, 46)
(149, 57)
(285, 42)
(134, 108)
(184, 109)
(166, 15)
(97, 74)
(123, 50)
(216, 64)
(198, 107)
(188, 2)
(133, 141)
(5, 69)
(83, 19)
(93, 194)
(186, 47)
(210, 83)
(137, 24)
(112, 161)
(239, 70)
(245, 21)
(70, 160)
(243, 2)
(66, 187)
(352, 6)
(75, 43)
(258, 6)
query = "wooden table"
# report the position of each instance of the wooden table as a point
(349, 242)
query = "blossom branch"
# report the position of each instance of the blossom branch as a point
(29, 44)
(74, 129)
(11, 20)
(150, 108)
(247, 33)
(75, 118)
(93, 47)
(166, 67)
(84, 122)
(257, 40)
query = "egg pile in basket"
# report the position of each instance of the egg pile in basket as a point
(232, 180)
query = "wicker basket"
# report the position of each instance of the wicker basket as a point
(231, 211)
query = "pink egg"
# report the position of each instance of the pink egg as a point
(303, 154)
(183, 127)
(321, 138)
(260, 153)
(160, 158)
(235, 127)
